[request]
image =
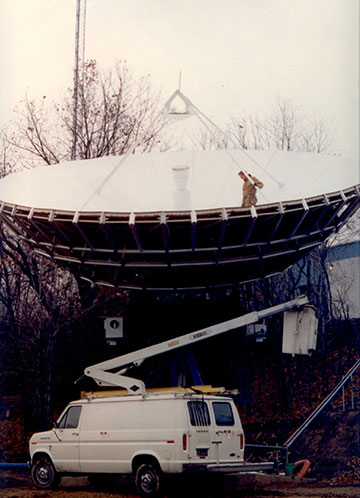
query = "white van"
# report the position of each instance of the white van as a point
(144, 435)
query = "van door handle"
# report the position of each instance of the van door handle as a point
(216, 442)
(75, 434)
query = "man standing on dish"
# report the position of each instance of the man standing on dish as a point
(249, 189)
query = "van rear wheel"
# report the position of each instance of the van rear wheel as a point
(148, 480)
(44, 475)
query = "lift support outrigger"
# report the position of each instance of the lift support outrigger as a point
(101, 371)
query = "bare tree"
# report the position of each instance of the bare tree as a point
(115, 110)
(283, 126)
(38, 302)
(206, 141)
(317, 136)
(41, 315)
(286, 128)
(8, 161)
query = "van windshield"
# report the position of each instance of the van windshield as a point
(199, 413)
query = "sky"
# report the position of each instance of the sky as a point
(235, 56)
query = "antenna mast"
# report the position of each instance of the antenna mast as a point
(79, 57)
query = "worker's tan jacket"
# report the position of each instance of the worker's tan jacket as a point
(249, 191)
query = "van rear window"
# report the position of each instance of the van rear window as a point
(199, 413)
(223, 413)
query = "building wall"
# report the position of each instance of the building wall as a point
(344, 276)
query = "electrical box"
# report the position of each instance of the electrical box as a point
(300, 331)
(113, 329)
(257, 330)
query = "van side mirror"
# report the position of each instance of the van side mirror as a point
(55, 425)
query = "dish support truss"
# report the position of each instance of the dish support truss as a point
(184, 250)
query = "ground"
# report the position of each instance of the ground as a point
(17, 484)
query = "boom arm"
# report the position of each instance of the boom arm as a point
(100, 372)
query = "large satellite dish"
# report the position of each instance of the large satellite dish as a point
(173, 221)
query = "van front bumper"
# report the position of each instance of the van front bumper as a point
(227, 468)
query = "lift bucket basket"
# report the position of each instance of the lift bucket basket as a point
(300, 331)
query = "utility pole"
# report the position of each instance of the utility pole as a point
(79, 27)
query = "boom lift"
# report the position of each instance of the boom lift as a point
(105, 375)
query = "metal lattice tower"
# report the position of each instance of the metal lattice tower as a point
(80, 25)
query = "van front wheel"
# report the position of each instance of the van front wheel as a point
(44, 474)
(148, 480)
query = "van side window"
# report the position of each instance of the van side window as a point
(199, 413)
(70, 419)
(223, 413)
